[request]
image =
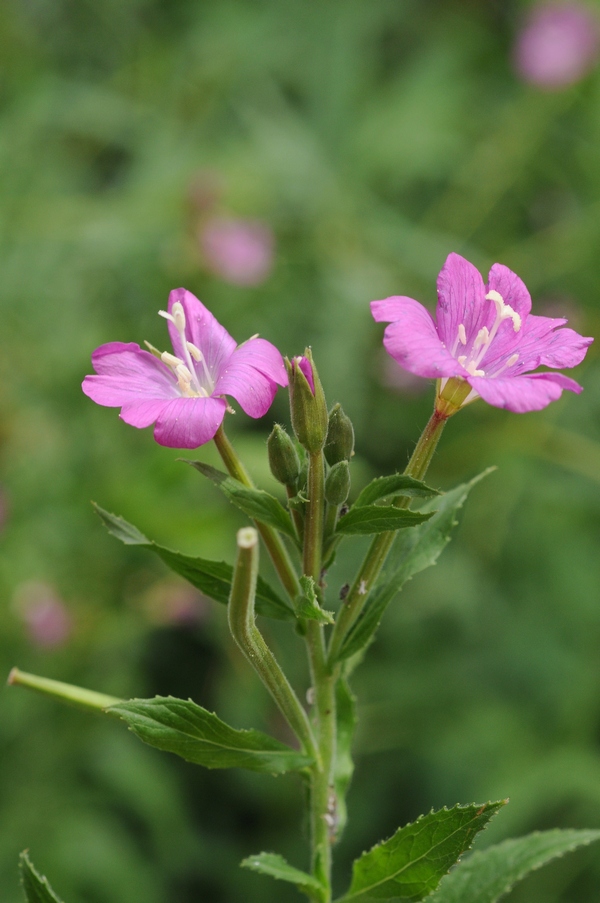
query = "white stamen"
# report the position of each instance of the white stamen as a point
(194, 351)
(462, 359)
(512, 360)
(471, 368)
(496, 297)
(170, 360)
(167, 316)
(509, 363)
(178, 316)
(462, 336)
(482, 338)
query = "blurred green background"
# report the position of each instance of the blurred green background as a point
(372, 138)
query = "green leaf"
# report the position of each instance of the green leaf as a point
(413, 551)
(307, 605)
(256, 503)
(410, 865)
(213, 578)
(344, 766)
(275, 865)
(378, 519)
(396, 484)
(487, 875)
(182, 727)
(35, 886)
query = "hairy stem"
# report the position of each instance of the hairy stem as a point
(381, 544)
(272, 540)
(248, 637)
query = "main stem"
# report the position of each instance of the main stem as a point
(322, 797)
(381, 544)
(275, 547)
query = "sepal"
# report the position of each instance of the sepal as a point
(340, 437)
(283, 457)
(307, 403)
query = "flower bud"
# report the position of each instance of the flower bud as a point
(283, 457)
(340, 437)
(307, 403)
(337, 484)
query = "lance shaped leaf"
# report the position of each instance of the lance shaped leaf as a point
(487, 875)
(413, 551)
(275, 865)
(213, 578)
(395, 484)
(344, 766)
(410, 865)
(307, 605)
(379, 519)
(256, 503)
(182, 727)
(35, 886)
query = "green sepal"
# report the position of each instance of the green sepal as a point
(395, 484)
(337, 483)
(410, 865)
(339, 445)
(413, 551)
(346, 721)
(378, 519)
(35, 886)
(275, 865)
(487, 875)
(213, 578)
(283, 457)
(183, 727)
(256, 503)
(307, 605)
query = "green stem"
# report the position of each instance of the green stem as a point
(84, 699)
(248, 637)
(275, 547)
(381, 544)
(322, 798)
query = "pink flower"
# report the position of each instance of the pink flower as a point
(484, 335)
(238, 250)
(558, 45)
(47, 620)
(182, 393)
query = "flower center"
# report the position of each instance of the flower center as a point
(185, 370)
(474, 356)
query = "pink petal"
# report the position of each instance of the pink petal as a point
(254, 391)
(203, 330)
(523, 393)
(189, 422)
(263, 356)
(143, 413)
(544, 343)
(461, 301)
(305, 366)
(511, 287)
(127, 375)
(412, 339)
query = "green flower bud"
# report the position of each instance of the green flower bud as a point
(340, 437)
(283, 457)
(307, 403)
(337, 484)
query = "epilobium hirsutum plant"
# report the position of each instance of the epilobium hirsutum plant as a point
(485, 345)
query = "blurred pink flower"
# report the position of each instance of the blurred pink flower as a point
(44, 614)
(172, 603)
(558, 44)
(240, 251)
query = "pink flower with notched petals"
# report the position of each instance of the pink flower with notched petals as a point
(486, 336)
(183, 393)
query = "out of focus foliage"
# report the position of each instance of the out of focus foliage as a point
(372, 138)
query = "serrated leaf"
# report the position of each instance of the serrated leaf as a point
(307, 605)
(256, 503)
(35, 886)
(344, 766)
(185, 728)
(213, 578)
(395, 484)
(487, 875)
(378, 519)
(275, 865)
(413, 551)
(410, 865)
